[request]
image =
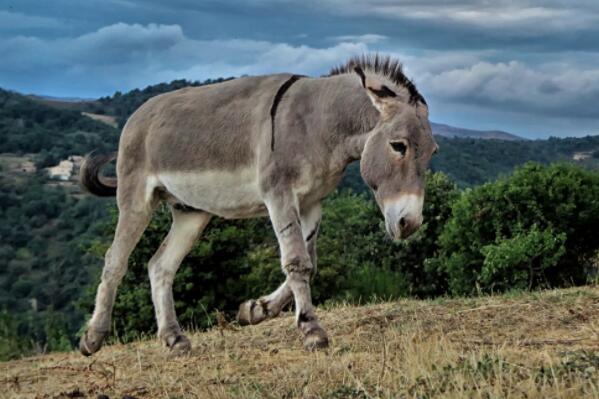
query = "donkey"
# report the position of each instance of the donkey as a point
(266, 145)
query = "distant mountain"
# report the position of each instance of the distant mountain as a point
(59, 99)
(440, 129)
(67, 103)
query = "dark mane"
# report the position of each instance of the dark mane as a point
(385, 66)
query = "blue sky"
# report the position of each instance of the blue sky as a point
(528, 67)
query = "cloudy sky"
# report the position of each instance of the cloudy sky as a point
(530, 67)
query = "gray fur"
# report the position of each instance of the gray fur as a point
(207, 151)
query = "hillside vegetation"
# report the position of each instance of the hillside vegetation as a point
(52, 134)
(532, 230)
(52, 235)
(535, 345)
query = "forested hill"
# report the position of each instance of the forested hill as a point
(468, 160)
(51, 134)
(440, 129)
(474, 161)
(48, 226)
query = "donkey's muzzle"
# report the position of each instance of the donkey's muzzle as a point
(403, 217)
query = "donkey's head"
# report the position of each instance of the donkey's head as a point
(397, 151)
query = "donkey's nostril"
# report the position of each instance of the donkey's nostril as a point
(402, 223)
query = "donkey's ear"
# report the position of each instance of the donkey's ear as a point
(383, 98)
(382, 93)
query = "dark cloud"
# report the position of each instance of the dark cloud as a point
(504, 59)
(564, 90)
(123, 56)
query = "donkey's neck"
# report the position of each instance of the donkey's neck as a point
(349, 114)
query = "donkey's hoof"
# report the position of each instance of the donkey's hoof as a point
(91, 341)
(179, 345)
(316, 339)
(251, 312)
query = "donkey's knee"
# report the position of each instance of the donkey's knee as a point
(298, 267)
(112, 274)
(160, 277)
(299, 270)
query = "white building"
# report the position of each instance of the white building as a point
(63, 171)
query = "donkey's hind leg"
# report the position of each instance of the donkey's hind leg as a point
(185, 229)
(130, 226)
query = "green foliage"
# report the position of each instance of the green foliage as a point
(12, 345)
(519, 232)
(519, 262)
(28, 126)
(535, 228)
(471, 162)
(43, 262)
(32, 333)
(123, 105)
(353, 244)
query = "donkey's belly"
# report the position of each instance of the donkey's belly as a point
(226, 194)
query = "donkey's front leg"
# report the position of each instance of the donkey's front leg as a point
(297, 265)
(255, 311)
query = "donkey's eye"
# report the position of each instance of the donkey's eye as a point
(399, 146)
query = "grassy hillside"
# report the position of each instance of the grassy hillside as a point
(544, 344)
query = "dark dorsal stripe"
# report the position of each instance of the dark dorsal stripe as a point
(273, 109)
(360, 72)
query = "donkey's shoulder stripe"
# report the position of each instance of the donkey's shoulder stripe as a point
(273, 109)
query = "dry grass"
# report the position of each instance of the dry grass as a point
(107, 119)
(529, 345)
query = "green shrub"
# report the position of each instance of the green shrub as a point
(534, 228)
(520, 262)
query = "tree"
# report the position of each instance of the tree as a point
(535, 228)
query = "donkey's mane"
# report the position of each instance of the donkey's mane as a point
(386, 66)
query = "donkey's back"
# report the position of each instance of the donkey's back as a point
(209, 127)
(197, 146)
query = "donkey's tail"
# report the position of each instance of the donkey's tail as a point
(91, 179)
